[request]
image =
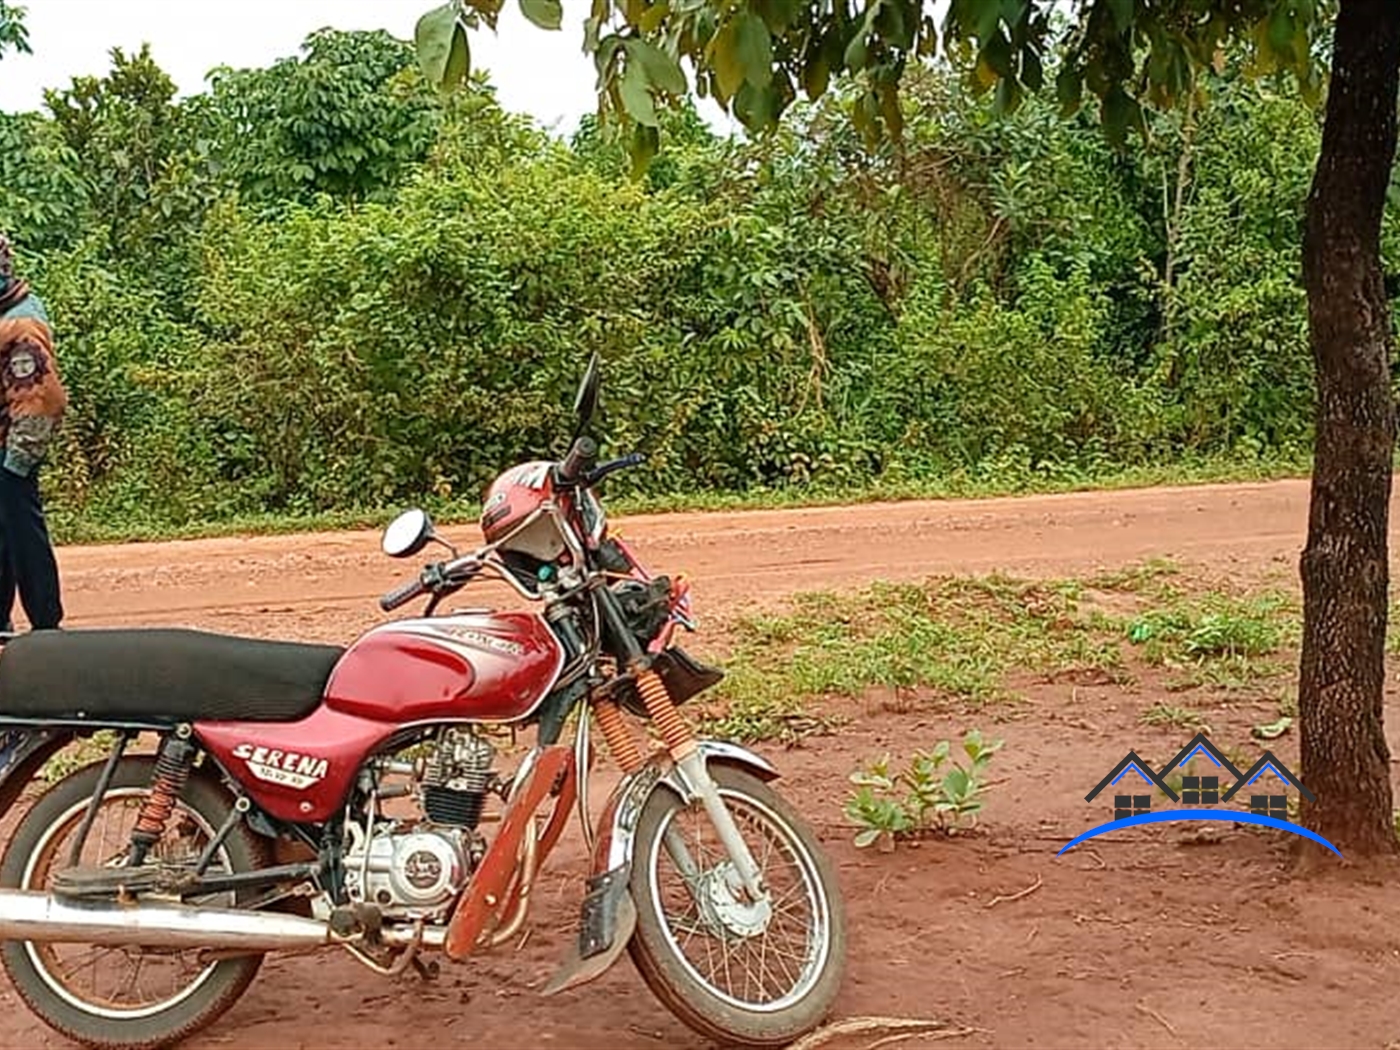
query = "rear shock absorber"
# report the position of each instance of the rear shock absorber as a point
(171, 773)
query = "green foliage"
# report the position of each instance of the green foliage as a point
(754, 57)
(1213, 628)
(13, 34)
(934, 792)
(1174, 717)
(1004, 305)
(347, 119)
(943, 641)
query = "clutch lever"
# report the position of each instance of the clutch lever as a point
(598, 473)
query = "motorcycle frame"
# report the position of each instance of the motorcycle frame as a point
(495, 903)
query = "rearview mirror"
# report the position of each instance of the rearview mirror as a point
(586, 400)
(407, 534)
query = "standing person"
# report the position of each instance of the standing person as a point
(32, 403)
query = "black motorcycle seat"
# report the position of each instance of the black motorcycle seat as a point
(161, 675)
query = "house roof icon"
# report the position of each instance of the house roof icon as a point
(1132, 763)
(1268, 761)
(1200, 745)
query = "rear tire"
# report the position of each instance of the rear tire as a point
(33, 967)
(662, 953)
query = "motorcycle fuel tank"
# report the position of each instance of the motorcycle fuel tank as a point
(481, 667)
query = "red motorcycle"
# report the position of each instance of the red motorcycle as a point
(306, 797)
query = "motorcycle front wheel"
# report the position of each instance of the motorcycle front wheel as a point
(737, 972)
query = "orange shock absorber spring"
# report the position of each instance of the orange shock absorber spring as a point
(171, 771)
(621, 744)
(663, 711)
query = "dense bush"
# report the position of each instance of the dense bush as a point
(320, 287)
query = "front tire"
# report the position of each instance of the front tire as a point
(74, 999)
(697, 947)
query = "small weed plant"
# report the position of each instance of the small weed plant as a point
(934, 793)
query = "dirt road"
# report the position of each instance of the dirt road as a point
(324, 585)
(1092, 954)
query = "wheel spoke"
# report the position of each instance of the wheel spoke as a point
(752, 968)
(116, 982)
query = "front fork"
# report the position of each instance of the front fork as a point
(694, 776)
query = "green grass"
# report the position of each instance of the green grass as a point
(953, 639)
(72, 526)
(966, 640)
(1174, 717)
(1221, 630)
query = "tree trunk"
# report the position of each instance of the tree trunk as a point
(1345, 566)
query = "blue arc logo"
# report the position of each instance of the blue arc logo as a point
(1198, 814)
(1197, 792)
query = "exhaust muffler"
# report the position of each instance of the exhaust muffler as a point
(27, 915)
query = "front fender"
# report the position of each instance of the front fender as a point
(609, 915)
(23, 753)
(617, 825)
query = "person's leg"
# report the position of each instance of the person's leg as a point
(7, 587)
(26, 538)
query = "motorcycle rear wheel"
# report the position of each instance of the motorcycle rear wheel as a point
(785, 994)
(65, 999)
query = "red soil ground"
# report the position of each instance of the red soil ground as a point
(1155, 937)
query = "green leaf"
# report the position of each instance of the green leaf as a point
(547, 14)
(646, 141)
(997, 54)
(1068, 87)
(956, 782)
(889, 108)
(726, 61)
(816, 75)
(988, 19)
(1032, 72)
(856, 53)
(1122, 11)
(1281, 27)
(778, 15)
(458, 63)
(1273, 730)
(434, 38)
(754, 47)
(757, 108)
(662, 70)
(1118, 111)
(866, 837)
(636, 96)
(652, 17)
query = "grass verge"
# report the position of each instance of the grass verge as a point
(71, 527)
(973, 641)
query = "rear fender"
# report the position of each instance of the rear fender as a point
(23, 753)
(609, 915)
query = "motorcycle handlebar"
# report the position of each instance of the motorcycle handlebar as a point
(632, 459)
(405, 592)
(435, 578)
(579, 460)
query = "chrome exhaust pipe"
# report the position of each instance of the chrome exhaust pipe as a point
(27, 915)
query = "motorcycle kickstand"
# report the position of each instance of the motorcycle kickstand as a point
(428, 969)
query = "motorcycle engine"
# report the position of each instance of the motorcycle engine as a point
(410, 873)
(411, 870)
